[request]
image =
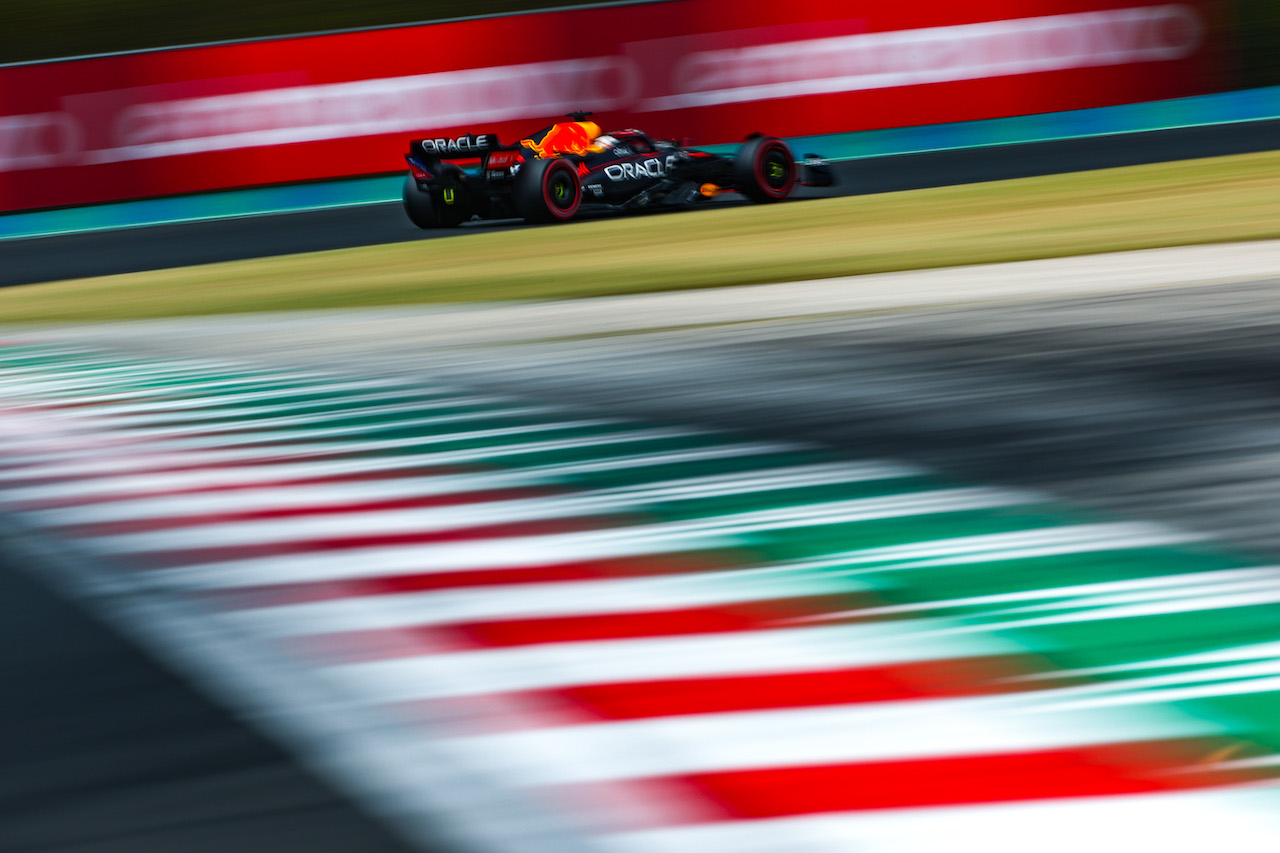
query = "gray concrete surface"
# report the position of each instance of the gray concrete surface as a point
(1148, 401)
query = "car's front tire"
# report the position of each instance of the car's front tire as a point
(765, 169)
(547, 191)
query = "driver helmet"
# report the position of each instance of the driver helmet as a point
(603, 143)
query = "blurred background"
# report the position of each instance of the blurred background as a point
(71, 28)
(58, 28)
(244, 113)
(531, 578)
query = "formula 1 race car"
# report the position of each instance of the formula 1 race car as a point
(571, 166)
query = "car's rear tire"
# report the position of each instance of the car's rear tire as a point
(547, 191)
(427, 212)
(765, 169)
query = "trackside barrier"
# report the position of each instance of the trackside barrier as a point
(342, 105)
(1205, 110)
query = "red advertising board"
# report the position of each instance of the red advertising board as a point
(308, 108)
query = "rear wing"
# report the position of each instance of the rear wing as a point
(469, 146)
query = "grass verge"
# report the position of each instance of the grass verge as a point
(1196, 201)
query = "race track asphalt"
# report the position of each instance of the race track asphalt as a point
(130, 250)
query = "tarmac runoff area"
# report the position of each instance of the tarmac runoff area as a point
(385, 330)
(917, 432)
(985, 370)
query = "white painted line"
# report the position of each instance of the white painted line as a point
(161, 398)
(525, 601)
(941, 501)
(1016, 545)
(59, 370)
(1231, 654)
(707, 532)
(1174, 822)
(555, 665)
(1082, 596)
(93, 374)
(761, 480)
(352, 493)
(1152, 608)
(283, 496)
(192, 533)
(248, 436)
(1247, 585)
(236, 443)
(1254, 677)
(191, 459)
(649, 460)
(223, 473)
(476, 556)
(195, 533)
(286, 425)
(797, 737)
(214, 416)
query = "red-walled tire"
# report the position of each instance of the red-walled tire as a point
(547, 191)
(765, 169)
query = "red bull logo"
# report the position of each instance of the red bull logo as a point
(567, 137)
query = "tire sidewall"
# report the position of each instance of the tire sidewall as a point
(766, 156)
(418, 205)
(429, 209)
(536, 197)
(753, 164)
(559, 174)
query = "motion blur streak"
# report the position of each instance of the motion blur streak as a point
(936, 55)
(632, 637)
(308, 108)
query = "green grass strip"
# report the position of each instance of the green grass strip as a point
(1167, 204)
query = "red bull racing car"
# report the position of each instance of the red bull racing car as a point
(573, 167)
